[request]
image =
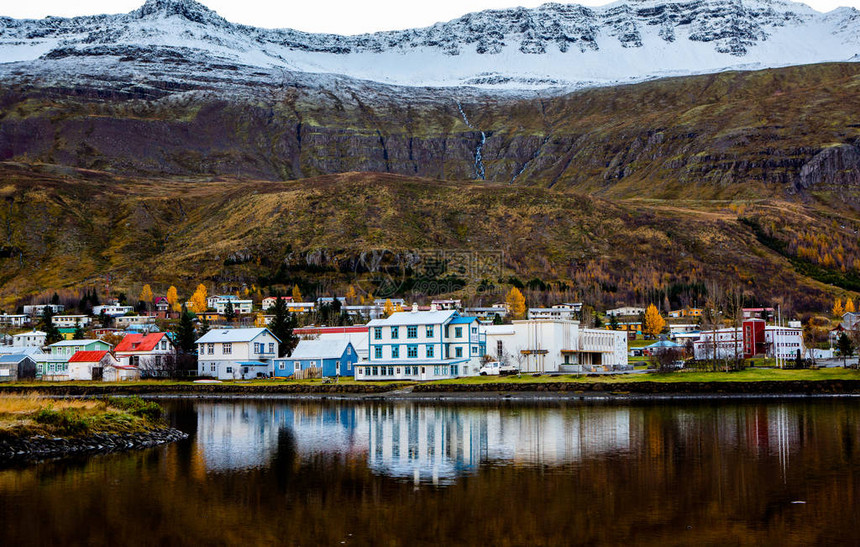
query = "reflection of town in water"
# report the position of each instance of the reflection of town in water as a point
(425, 443)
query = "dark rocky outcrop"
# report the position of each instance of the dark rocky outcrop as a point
(39, 447)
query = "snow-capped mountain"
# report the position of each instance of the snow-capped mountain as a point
(554, 45)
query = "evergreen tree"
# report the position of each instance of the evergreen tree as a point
(845, 347)
(202, 328)
(79, 331)
(229, 312)
(48, 326)
(282, 326)
(55, 299)
(184, 331)
(613, 322)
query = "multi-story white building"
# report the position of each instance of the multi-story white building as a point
(229, 354)
(61, 321)
(753, 338)
(112, 310)
(30, 339)
(219, 304)
(422, 345)
(626, 311)
(39, 309)
(124, 321)
(553, 345)
(563, 314)
(269, 302)
(17, 320)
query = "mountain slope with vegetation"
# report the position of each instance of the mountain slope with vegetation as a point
(67, 228)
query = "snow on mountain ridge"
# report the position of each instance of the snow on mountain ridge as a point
(551, 45)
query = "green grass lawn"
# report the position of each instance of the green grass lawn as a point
(749, 375)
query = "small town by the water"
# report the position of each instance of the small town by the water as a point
(240, 337)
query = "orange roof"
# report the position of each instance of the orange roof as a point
(139, 342)
(87, 356)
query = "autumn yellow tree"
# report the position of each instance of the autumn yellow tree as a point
(838, 310)
(398, 307)
(388, 308)
(350, 294)
(146, 295)
(849, 305)
(297, 294)
(516, 303)
(654, 322)
(198, 299)
(173, 299)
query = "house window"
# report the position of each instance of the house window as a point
(412, 351)
(271, 347)
(474, 330)
(212, 367)
(298, 365)
(395, 332)
(211, 349)
(395, 352)
(500, 349)
(377, 352)
(229, 370)
(458, 332)
(282, 366)
(430, 352)
(228, 349)
(474, 350)
(412, 332)
(429, 331)
(256, 347)
(377, 333)
(458, 352)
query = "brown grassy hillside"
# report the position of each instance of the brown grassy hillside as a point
(63, 227)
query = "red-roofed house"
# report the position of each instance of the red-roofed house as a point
(90, 365)
(153, 354)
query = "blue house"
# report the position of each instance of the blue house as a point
(334, 357)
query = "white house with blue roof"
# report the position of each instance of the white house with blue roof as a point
(422, 345)
(229, 354)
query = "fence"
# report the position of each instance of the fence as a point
(308, 373)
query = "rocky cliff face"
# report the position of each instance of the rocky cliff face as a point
(728, 135)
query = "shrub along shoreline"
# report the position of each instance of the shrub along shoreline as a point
(34, 427)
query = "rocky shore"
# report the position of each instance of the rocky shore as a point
(40, 447)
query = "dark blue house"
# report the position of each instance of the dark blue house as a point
(334, 357)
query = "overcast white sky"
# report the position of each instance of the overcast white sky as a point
(335, 16)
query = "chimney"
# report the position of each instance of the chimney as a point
(433, 306)
(415, 307)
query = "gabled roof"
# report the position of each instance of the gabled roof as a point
(233, 335)
(87, 357)
(415, 318)
(320, 349)
(140, 342)
(14, 358)
(84, 342)
(31, 333)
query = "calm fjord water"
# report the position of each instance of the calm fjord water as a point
(332, 473)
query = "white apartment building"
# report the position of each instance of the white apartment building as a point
(124, 321)
(219, 304)
(729, 343)
(229, 354)
(64, 321)
(39, 309)
(562, 314)
(112, 310)
(552, 345)
(17, 320)
(626, 311)
(422, 345)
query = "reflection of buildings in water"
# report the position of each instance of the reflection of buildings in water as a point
(441, 443)
(245, 435)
